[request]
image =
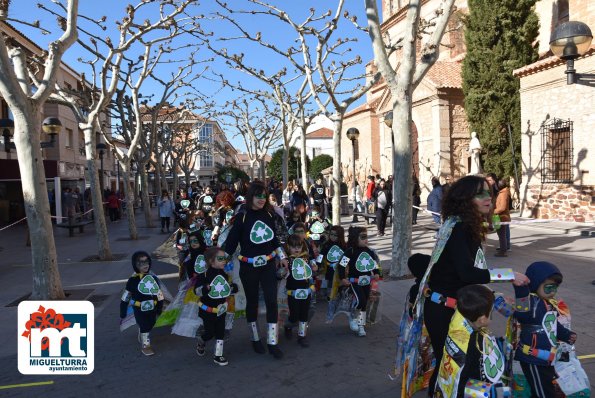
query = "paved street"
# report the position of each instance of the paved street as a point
(337, 362)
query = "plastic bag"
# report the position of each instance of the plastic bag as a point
(188, 322)
(572, 379)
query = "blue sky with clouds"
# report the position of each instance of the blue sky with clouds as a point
(271, 30)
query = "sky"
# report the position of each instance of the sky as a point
(271, 30)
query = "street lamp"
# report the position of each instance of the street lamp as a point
(570, 41)
(50, 125)
(228, 176)
(353, 135)
(297, 154)
(101, 147)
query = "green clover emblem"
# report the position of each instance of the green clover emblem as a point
(300, 270)
(219, 288)
(228, 215)
(148, 285)
(208, 199)
(550, 326)
(365, 262)
(185, 203)
(261, 233)
(317, 228)
(334, 254)
(200, 264)
(207, 236)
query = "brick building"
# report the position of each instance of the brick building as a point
(558, 167)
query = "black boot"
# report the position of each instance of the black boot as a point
(275, 351)
(258, 347)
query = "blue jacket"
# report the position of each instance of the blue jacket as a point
(540, 328)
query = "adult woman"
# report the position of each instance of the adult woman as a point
(254, 230)
(166, 210)
(383, 199)
(461, 260)
(501, 209)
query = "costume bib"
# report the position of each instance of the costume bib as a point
(317, 228)
(185, 203)
(207, 235)
(261, 233)
(480, 260)
(300, 270)
(334, 254)
(219, 288)
(228, 216)
(493, 360)
(200, 265)
(550, 325)
(320, 191)
(365, 262)
(148, 285)
(208, 200)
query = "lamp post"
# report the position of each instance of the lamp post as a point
(101, 147)
(50, 125)
(570, 41)
(297, 154)
(353, 135)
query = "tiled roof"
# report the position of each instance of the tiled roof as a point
(550, 61)
(169, 113)
(320, 133)
(446, 74)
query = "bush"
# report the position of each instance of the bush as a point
(320, 163)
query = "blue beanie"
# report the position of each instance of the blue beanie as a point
(538, 272)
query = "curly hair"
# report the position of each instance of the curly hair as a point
(458, 201)
(225, 199)
(353, 236)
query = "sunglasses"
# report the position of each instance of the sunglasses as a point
(143, 262)
(261, 196)
(483, 195)
(550, 288)
(363, 237)
(220, 258)
(193, 241)
(298, 231)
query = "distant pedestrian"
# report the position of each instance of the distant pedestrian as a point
(502, 211)
(435, 200)
(112, 204)
(166, 210)
(416, 200)
(370, 193)
(383, 199)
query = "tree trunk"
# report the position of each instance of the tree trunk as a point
(129, 193)
(96, 195)
(144, 181)
(285, 166)
(336, 180)
(46, 275)
(303, 156)
(262, 170)
(175, 176)
(402, 185)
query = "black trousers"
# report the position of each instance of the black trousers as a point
(381, 215)
(437, 319)
(363, 294)
(165, 222)
(541, 379)
(145, 319)
(298, 309)
(254, 277)
(414, 216)
(214, 325)
(113, 213)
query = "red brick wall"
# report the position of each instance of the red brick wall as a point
(560, 201)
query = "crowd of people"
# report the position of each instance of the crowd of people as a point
(278, 245)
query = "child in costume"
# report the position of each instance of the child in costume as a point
(181, 239)
(536, 309)
(330, 254)
(358, 266)
(144, 294)
(300, 287)
(194, 263)
(213, 289)
(472, 363)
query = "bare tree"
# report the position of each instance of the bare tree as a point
(402, 81)
(327, 63)
(26, 104)
(258, 123)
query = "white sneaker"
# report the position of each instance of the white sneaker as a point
(353, 325)
(361, 332)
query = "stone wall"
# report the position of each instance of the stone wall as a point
(560, 201)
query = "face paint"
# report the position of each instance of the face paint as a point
(550, 288)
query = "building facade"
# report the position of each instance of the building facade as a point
(558, 163)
